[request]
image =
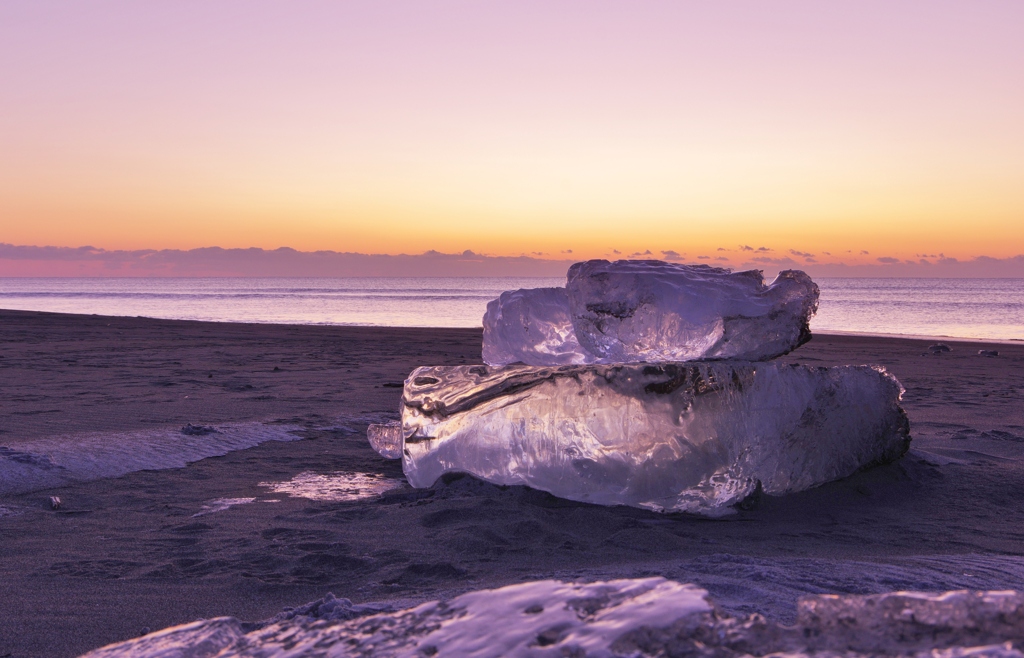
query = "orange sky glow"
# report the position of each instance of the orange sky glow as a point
(895, 129)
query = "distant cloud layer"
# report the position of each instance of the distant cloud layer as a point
(887, 266)
(214, 261)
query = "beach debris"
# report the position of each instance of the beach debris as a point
(939, 348)
(988, 352)
(679, 437)
(329, 608)
(221, 504)
(340, 486)
(386, 439)
(198, 430)
(55, 502)
(628, 617)
(651, 311)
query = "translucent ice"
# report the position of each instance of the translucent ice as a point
(653, 311)
(694, 437)
(628, 617)
(531, 326)
(386, 439)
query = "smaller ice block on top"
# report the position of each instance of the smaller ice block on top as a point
(531, 326)
(651, 311)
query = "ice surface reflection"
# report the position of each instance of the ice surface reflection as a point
(338, 486)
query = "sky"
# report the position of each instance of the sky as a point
(853, 134)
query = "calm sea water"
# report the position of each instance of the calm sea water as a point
(967, 308)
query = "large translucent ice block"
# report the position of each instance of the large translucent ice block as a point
(676, 436)
(628, 311)
(531, 326)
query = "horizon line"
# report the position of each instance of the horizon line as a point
(30, 261)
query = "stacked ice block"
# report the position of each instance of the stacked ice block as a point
(649, 384)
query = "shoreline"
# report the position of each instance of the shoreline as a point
(814, 332)
(156, 548)
(948, 339)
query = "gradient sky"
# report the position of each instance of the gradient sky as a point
(892, 128)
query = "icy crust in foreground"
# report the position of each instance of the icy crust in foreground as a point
(650, 311)
(690, 437)
(629, 617)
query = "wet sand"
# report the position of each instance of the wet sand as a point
(126, 554)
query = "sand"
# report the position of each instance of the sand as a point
(127, 554)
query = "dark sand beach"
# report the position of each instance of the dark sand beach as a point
(130, 553)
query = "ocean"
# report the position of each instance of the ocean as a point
(955, 308)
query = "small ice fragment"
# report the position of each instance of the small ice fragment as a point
(55, 502)
(386, 439)
(630, 311)
(939, 348)
(988, 352)
(202, 638)
(198, 430)
(338, 487)
(221, 504)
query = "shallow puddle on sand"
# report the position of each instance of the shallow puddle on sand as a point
(221, 504)
(338, 486)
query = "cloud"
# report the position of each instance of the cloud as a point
(785, 261)
(863, 253)
(616, 251)
(746, 247)
(215, 261)
(703, 257)
(722, 249)
(567, 251)
(671, 255)
(637, 253)
(764, 249)
(948, 267)
(803, 254)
